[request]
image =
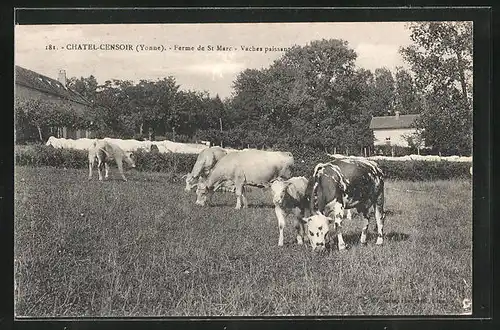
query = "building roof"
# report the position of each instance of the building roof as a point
(387, 122)
(44, 84)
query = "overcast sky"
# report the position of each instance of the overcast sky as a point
(375, 43)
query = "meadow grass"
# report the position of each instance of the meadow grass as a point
(143, 248)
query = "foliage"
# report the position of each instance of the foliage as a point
(43, 113)
(41, 155)
(441, 59)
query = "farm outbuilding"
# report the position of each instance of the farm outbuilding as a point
(30, 85)
(391, 130)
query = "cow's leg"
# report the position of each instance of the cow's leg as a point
(338, 210)
(299, 226)
(348, 214)
(379, 216)
(280, 214)
(120, 168)
(106, 168)
(244, 197)
(238, 192)
(91, 164)
(99, 168)
(366, 219)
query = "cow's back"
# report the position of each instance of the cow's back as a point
(257, 166)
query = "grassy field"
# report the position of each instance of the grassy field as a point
(143, 248)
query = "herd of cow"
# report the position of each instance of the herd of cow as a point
(317, 202)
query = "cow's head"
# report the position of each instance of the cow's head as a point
(317, 227)
(278, 187)
(189, 182)
(50, 140)
(202, 193)
(129, 158)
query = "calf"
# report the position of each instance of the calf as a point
(344, 184)
(288, 197)
(104, 151)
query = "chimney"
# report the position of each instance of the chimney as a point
(397, 114)
(62, 77)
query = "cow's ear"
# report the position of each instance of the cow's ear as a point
(330, 220)
(305, 220)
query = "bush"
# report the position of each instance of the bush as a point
(41, 155)
(424, 170)
(171, 162)
(305, 161)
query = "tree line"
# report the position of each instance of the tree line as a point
(313, 96)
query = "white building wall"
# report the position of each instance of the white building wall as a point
(392, 136)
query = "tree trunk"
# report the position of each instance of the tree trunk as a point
(462, 75)
(141, 128)
(40, 132)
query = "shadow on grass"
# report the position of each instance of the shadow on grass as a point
(353, 238)
(392, 212)
(250, 206)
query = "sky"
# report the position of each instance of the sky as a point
(376, 43)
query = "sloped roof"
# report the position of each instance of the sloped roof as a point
(44, 84)
(386, 122)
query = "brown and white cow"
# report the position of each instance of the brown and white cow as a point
(247, 167)
(288, 198)
(339, 185)
(104, 151)
(206, 160)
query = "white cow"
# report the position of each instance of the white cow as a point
(288, 198)
(129, 145)
(247, 167)
(204, 163)
(104, 151)
(59, 143)
(83, 144)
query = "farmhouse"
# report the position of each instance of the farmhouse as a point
(32, 85)
(391, 130)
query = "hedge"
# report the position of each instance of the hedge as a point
(41, 155)
(305, 160)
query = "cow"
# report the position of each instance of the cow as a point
(104, 151)
(247, 167)
(129, 145)
(59, 143)
(288, 198)
(343, 184)
(205, 161)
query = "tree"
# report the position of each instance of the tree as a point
(384, 92)
(407, 99)
(441, 59)
(41, 114)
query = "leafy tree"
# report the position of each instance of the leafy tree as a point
(408, 101)
(383, 92)
(441, 59)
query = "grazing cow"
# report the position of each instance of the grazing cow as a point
(204, 163)
(344, 184)
(104, 151)
(288, 197)
(247, 167)
(129, 145)
(59, 143)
